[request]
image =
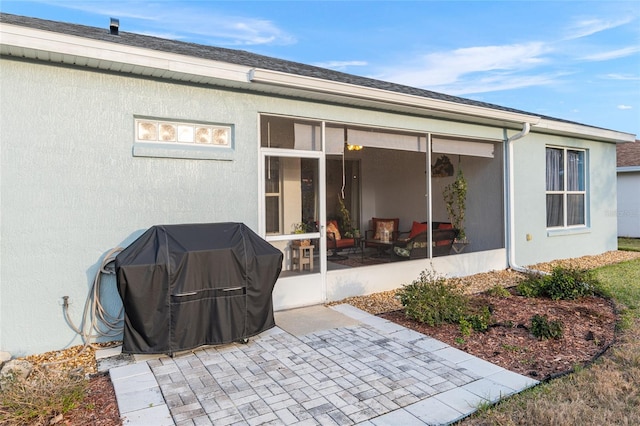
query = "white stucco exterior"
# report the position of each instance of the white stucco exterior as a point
(530, 206)
(71, 187)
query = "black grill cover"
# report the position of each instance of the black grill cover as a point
(183, 286)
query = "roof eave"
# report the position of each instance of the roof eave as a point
(50, 46)
(277, 78)
(20, 41)
(583, 131)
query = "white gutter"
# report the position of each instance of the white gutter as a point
(628, 169)
(511, 239)
(282, 79)
(16, 40)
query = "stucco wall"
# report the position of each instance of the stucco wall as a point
(530, 202)
(71, 189)
(629, 204)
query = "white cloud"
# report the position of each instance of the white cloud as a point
(587, 27)
(164, 17)
(493, 83)
(340, 65)
(612, 54)
(499, 66)
(625, 107)
(624, 77)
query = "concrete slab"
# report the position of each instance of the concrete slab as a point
(301, 321)
(157, 416)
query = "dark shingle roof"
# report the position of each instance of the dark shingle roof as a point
(628, 154)
(241, 57)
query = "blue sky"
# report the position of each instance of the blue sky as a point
(574, 60)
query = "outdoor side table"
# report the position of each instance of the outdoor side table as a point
(301, 256)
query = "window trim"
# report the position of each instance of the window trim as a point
(566, 229)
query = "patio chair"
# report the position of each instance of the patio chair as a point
(336, 242)
(415, 246)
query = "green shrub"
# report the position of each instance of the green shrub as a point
(480, 321)
(571, 283)
(498, 291)
(542, 328)
(561, 284)
(532, 286)
(431, 300)
(465, 327)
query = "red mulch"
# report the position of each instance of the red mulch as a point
(99, 408)
(589, 328)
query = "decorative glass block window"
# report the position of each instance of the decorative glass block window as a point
(566, 187)
(182, 133)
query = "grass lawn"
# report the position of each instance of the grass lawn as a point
(607, 392)
(629, 244)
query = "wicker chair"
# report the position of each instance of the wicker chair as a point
(416, 246)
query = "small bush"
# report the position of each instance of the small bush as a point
(542, 328)
(465, 328)
(431, 300)
(498, 291)
(480, 321)
(571, 283)
(562, 284)
(532, 286)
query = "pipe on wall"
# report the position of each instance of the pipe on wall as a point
(511, 238)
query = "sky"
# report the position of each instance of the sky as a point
(573, 60)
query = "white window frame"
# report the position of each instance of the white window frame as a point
(278, 197)
(565, 192)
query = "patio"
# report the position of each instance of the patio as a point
(320, 365)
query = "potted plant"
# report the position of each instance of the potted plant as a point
(455, 197)
(301, 228)
(345, 219)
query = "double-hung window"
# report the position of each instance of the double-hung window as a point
(566, 187)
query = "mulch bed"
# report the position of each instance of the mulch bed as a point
(589, 329)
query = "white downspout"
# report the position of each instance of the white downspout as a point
(511, 253)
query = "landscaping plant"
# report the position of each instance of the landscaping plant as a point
(433, 301)
(562, 284)
(543, 329)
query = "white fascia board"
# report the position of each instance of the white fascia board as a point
(628, 169)
(352, 90)
(580, 130)
(71, 47)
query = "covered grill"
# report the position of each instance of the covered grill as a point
(183, 286)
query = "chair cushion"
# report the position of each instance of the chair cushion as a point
(332, 227)
(402, 252)
(444, 225)
(346, 243)
(381, 226)
(417, 228)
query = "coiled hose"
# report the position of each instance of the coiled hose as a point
(96, 321)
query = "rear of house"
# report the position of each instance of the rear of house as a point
(106, 135)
